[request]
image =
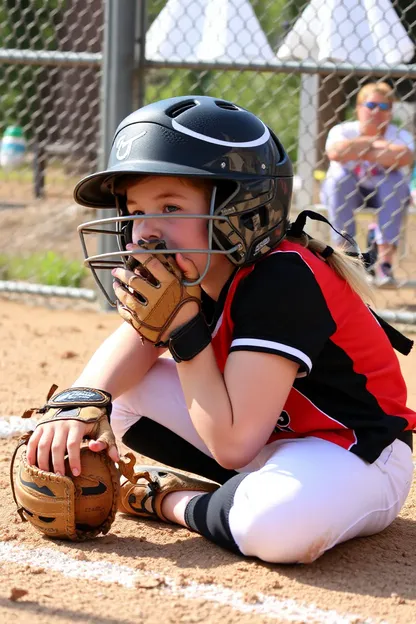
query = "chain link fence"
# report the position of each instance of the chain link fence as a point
(50, 73)
(298, 65)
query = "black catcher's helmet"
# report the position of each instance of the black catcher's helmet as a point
(204, 137)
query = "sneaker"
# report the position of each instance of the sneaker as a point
(384, 277)
(144, 487)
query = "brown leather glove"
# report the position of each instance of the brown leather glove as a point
(67, 507)
(150, 304)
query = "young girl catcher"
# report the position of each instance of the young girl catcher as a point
(282, 394)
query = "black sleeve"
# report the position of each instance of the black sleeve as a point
(280, 308)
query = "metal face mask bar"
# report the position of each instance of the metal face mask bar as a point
(114, 259)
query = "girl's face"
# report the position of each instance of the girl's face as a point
(371, 116)
(161, 195)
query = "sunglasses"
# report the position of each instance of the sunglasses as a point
(383, 106)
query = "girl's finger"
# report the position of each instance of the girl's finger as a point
(44, 449)
(96, 446)
(73, 445)
(32, 446)
(187, 267)
(58, 451)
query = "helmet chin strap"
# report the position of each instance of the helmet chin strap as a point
(296, 229)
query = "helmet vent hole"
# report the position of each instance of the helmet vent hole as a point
(226, 105)
(247, 221)
(178, 109)
(255, 219)
(264, 216)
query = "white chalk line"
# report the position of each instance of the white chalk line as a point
(287, 610)
(13, 425)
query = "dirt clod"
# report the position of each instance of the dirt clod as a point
(16, 593)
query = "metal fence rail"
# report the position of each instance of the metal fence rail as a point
(50, 57)
(298, 65)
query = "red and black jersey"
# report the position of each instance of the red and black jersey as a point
(349, 389)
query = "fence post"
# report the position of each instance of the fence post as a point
(39, 165)
(308, 131)
(141, 29)
(116, 95)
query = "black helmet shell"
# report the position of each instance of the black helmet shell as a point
(187, 136)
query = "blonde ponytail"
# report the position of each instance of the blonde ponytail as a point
(348, 268)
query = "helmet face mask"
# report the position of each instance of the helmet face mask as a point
(122, 226)
(204, 138)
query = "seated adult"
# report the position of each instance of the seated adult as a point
(369, 160)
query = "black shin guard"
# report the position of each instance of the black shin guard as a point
(208, 514)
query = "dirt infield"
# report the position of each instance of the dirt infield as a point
(151, 572)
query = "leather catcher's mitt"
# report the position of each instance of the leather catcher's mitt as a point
(150, 305)
(68, 507)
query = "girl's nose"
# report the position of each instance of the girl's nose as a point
(146, 229)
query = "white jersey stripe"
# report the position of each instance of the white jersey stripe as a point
(273, 346)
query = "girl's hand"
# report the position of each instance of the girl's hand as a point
(51, 442)
(153, 298)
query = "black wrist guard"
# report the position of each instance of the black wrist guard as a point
(187, 341)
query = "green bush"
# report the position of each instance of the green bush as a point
(43, 268)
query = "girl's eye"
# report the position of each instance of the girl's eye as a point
(137, 213)
(170, 208)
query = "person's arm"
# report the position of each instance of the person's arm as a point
(374, 149)
(358, 148)
(121, 361)
(235, 414)
(391, 155)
